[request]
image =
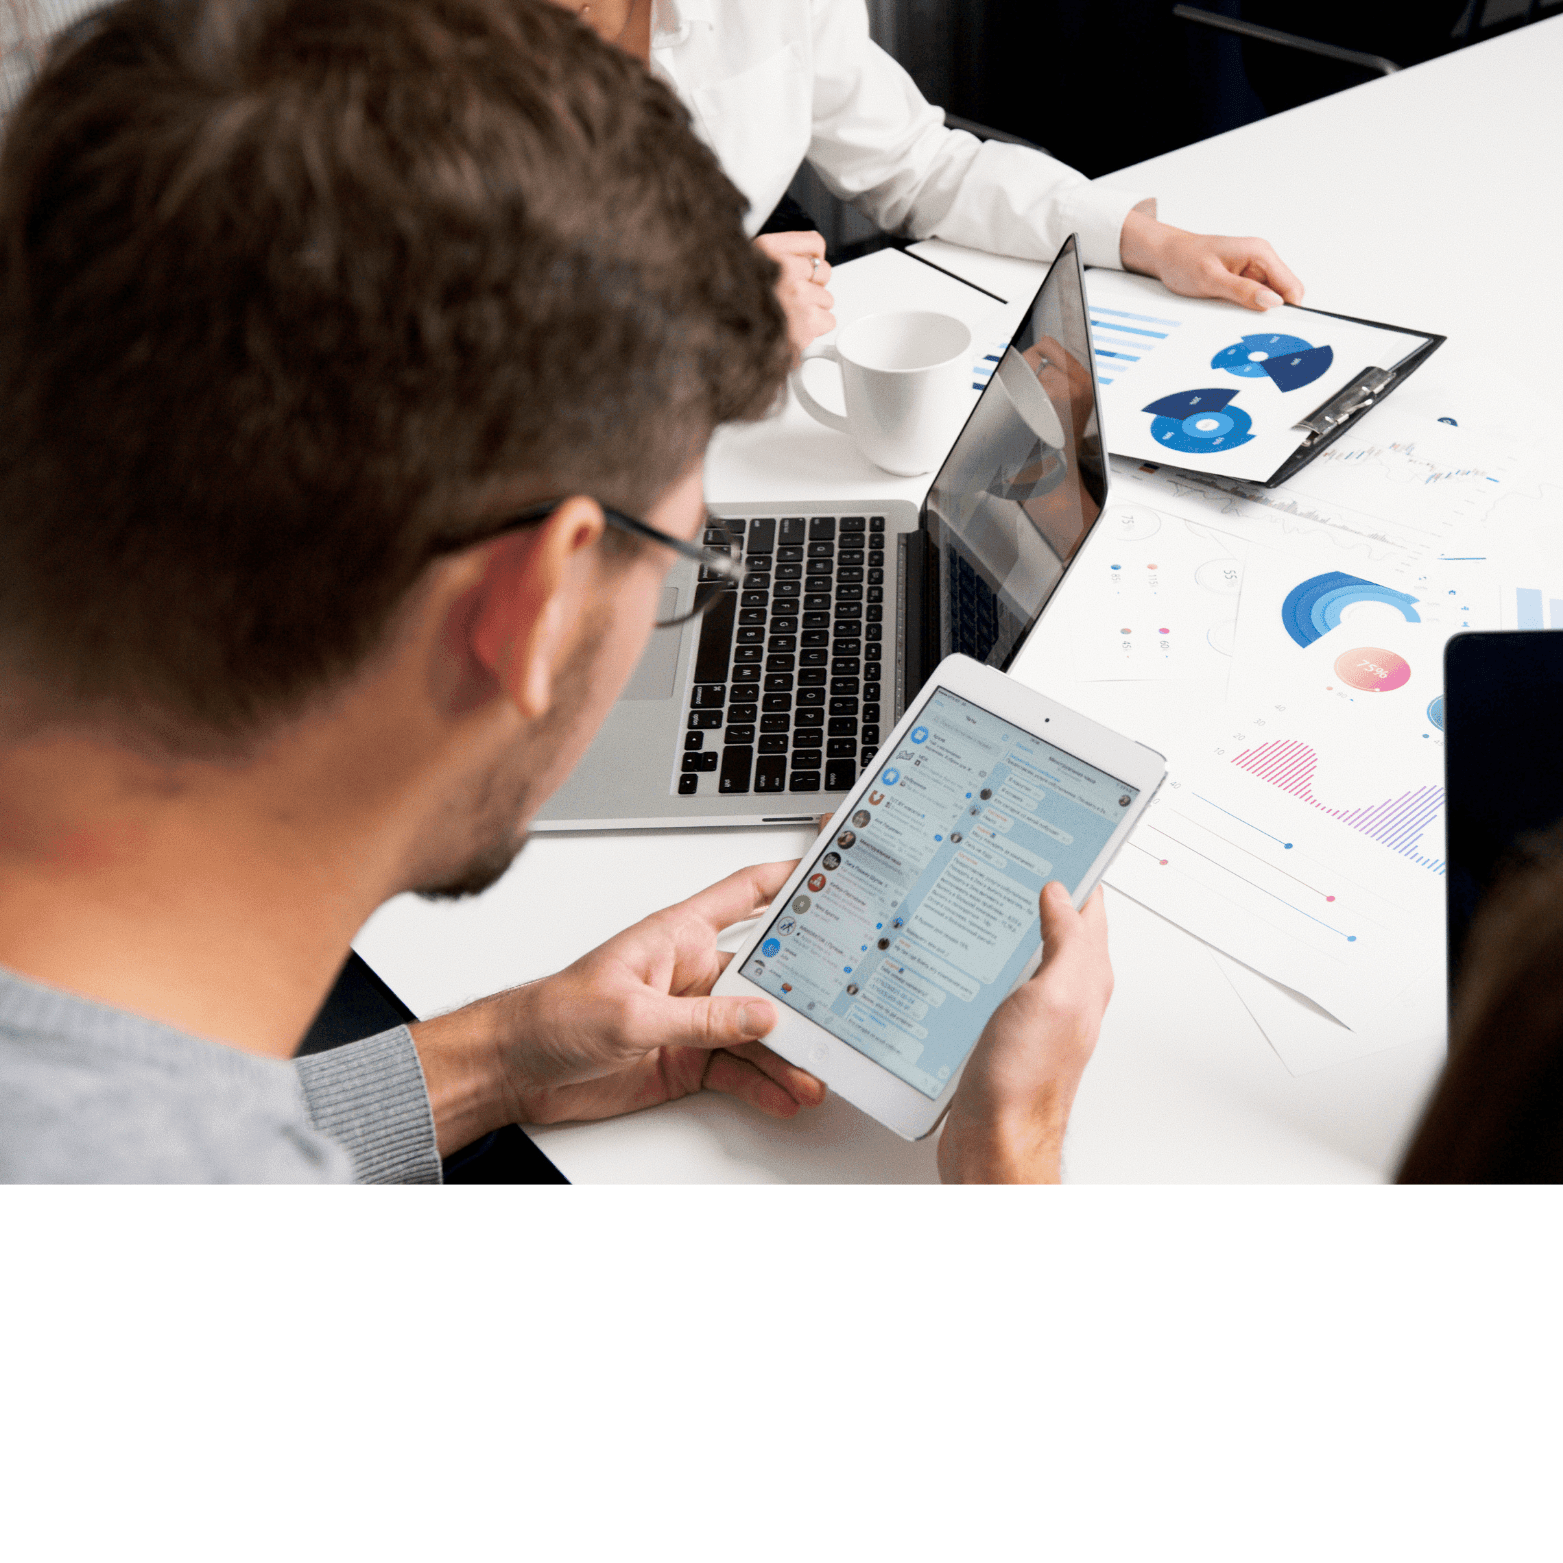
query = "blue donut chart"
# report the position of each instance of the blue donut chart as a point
(1313, 608)
(1200, 422)
(1435, 712)
(1292, 371)
(1239, 358)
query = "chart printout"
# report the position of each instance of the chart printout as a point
(920, 914)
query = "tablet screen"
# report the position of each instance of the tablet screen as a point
(919, 915)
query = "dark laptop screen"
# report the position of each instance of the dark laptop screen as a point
(1503, 759)
(1023, 484)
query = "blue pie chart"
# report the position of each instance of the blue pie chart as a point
(1247, 357)
(1313, 607)
(1201, 422)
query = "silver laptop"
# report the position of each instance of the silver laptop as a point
(765, 710)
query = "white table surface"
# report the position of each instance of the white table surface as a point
(1426, 199)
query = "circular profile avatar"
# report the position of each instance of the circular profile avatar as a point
(801, 904)
(846, 840)
(817, 882)
(861, 819)
(956, 838)
(891, 777)
(1125, 801)
(985, 794)
(772, 947)
(830, 860)
(884, 944)
(786, 926)
(852, 990)
(898, 922)
(919, 735)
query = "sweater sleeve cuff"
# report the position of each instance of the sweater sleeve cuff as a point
(1096, 212)
(370, 1097)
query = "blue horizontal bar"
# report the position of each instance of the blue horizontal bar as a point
(1112, 325)
(1107, 352)
(1128, 314)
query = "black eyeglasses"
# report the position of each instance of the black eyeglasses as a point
(720, 557)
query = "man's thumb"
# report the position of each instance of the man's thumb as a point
(710, 1022)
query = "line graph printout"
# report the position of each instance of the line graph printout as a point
(1155, 597)
(1330, 886)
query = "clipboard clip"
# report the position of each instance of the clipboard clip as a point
(1357, 397)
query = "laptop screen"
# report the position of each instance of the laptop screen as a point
(1025, 480)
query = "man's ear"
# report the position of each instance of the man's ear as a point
(529, 600)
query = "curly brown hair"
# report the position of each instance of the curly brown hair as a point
(290, 287)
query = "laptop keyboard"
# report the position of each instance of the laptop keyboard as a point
(787, 677)
(978, 620)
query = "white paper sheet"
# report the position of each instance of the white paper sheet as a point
(1216, 388)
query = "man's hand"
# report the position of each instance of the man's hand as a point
(801, 286)
(628, 1026)
(1202, 265)
(1006, 1124)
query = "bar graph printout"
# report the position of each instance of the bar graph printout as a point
(1286, 846)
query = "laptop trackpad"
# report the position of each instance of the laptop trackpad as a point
(654, 677)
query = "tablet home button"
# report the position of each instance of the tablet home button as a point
(819, 1053)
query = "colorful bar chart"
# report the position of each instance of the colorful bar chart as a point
(1397, 823)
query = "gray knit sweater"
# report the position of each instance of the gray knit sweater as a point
(93, 1094)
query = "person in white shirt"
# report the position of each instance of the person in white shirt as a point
(772, 83)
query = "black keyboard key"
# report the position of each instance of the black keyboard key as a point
(870, 710)
(806, 738)
(870, 735)
(804, 781)
(688, 785)
(840, 748)
(695, 740)
(751, 600)
(746, 691)
(821, 528)
(743, 655)
(817, 567)
(705, 719)
(778, 703)
(716, 639)
(874, 613)
(876, 594)
(757, 580)
(849, 619)
(845, 647)
(848, 575)
(843, 727)
(811, 676)
(852, 592)
(752, 616)
(736, 760)
(789, 572)
(741, 733)
(791, 530)
(750, 635)
(789, 556)
(876, 523)
(704, 761)
(775, 722)
(717, 537)
(821, 551)
(844, 705)
(811, 697)
(839, 775)
(870, 691)
(778, 683)
(817, 601)
(770, 773)
(780, 662)
(844, 667)
(746, 712)
(807, 759)
(816, 621)
(773, 743)
(852, 523)
(782, 643)
(708, 695)
(815, 657)
(871, 670)
(874, 632)
(876, 577)
(876, 559)
(762, 535)
(785, 624)
(816, 638)
(843, 686)
(786, 590)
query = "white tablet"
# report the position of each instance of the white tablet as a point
(915, 913)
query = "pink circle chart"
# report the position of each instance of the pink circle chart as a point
(1373, 669)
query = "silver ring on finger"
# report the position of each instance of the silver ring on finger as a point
(814, 268)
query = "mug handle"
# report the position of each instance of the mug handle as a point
(831, 420)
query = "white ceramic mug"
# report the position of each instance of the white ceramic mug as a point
(904, 378)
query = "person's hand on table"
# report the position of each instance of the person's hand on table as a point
(801, 286)
(1006, 1123)
(1204, 265)
(629, 1025)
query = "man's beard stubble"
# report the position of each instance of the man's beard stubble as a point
(505, 798)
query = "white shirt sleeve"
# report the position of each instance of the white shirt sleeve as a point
(878, 143)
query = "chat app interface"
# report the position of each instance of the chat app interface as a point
(920, 913)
